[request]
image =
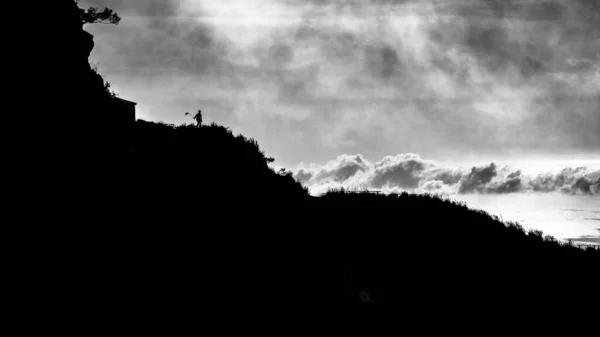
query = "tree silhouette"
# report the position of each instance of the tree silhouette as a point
(94, 15)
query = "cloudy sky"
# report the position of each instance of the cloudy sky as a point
(460, 97)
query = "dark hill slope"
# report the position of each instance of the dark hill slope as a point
(195, 215)
(209, 164)
(400, 248)
(421, 249)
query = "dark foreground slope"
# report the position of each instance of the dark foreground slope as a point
(210, 191)
(426, 251)
(186, 217)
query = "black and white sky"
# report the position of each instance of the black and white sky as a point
(376, 93)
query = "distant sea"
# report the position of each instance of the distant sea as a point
(556, 214)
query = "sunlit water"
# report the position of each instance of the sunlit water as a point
(559, 215)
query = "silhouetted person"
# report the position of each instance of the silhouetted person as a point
(197, 117)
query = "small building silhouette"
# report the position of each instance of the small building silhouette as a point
(124, 119)
(125, 111)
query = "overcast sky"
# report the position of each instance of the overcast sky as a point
(312, 80)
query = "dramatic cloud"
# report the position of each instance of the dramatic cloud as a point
(404, 171)
(313, 79)
(303, 176)
(478, 177)
(341, 169)
(569, 180)
(410, 172)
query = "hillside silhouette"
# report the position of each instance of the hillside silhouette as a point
(388, 243)
(162, 215)
(213, 161)
(445, 252)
